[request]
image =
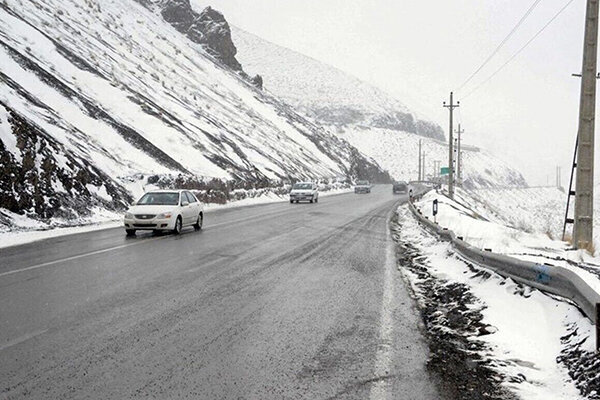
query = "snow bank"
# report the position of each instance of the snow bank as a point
(486, 230)
(525, 328)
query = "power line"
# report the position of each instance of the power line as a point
(521, 49)
(497, 49)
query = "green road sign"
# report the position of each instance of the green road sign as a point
(444, 170)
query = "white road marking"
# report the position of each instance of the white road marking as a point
(92, 253)
(49, 263)
(22, 339)
(383, 361)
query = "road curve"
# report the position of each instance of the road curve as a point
(280, 301)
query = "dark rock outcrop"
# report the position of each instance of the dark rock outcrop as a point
(208, 28)
(44, 181)
(429, 129)
(257, 81)
(406, 122)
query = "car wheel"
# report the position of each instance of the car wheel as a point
(291, 201)
(130, 232)
(178, 226)
(310, 201)
(317, 200)
(199, 222)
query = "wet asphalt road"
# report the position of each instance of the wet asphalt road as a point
(278, 301)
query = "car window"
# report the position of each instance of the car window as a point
(302, 186)
(159, 199)
(191, 197)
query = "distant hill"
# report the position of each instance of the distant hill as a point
(378, 125)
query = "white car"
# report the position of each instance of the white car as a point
(164, 210)
(304, 191)
(362, 187)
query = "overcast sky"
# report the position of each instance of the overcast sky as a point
(419, 51)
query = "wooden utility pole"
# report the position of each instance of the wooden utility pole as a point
(584, 183)
(459, 158)
(423, 167)
(451, 107)
(420, 159)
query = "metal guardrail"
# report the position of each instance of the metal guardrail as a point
(552, 279)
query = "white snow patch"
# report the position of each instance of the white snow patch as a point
(527, 340)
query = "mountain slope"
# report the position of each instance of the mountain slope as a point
(118, 90)
(379, 126)
(324, 92)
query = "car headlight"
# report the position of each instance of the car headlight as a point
(128, 215)
(164, 215)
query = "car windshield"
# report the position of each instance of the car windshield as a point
(362, 183)
(302, 186)
(159, 199)
(400, 185)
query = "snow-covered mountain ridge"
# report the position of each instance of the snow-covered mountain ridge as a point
(326, 93)
(376, 123)
(100, 93)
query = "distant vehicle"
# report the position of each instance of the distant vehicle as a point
(164, 210)
(362, 187)
(400, 187)
(304, 191)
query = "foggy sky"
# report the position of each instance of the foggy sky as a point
(418, 51)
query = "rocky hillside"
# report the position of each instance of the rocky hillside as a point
(97, 95)
(374, 122)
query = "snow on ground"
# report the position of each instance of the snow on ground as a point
(535, 209)
(486, 230)
(522, 345)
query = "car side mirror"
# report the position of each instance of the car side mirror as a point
(185, 203)
(134, 203)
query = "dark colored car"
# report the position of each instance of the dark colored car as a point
(400, 188)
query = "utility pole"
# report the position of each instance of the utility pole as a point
(584, 186)
(423, 167)
(451, 108)
(420, 159)
(459, 158)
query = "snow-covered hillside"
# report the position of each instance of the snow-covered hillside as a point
(371, 120)
(97, 94)
(323, 92)
(398, 152)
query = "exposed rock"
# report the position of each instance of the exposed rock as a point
(430, 130)
(257, 81)
(40, 179)
(209, 28)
